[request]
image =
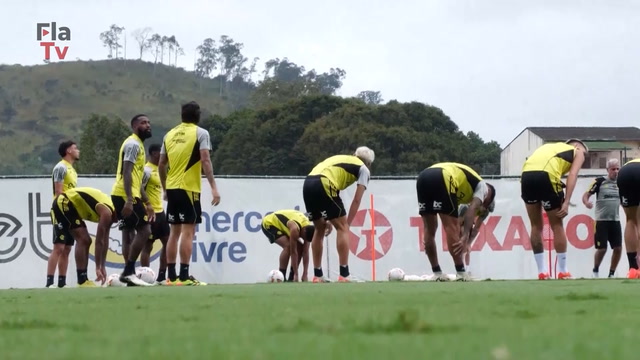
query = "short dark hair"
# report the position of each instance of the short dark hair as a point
(153, 148)
(136, 118)
(191, 112)
(64, 146)
(308, 232)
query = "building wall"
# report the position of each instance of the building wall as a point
(516, 153)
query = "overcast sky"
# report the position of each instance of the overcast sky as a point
(494, 66)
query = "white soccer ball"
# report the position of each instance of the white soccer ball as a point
(396, 274)
(146, 274)
(114, 280)
(275, 276)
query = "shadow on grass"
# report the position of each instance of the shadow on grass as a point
(572, 296)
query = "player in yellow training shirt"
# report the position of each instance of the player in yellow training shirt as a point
(293, 232)
(441, 188)
(184, 156)
(69, 212)
(64, 177)
(321, 193)
(629, 193)
(128, 198)
(160, 226)
(541, 188)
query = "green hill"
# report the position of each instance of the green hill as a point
(44, 104)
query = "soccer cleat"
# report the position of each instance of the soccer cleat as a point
(176, 282)
(463, 276)
(595, 275)
(543, 276)
(322, 279)
(565, 276)
(633, 273)
(161, 282)
(87, 283)
(191, 281)
(441, 277)
(133, 280)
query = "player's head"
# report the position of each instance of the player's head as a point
(191, 113)
(578, 144)
(613, 167)
(141, 126)
(69, 150)
(366, 155)
(307, 232)
(154, 153)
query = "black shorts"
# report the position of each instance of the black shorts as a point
(271, 232)
(322, 198)
(433, 196)
(536, 186)
(160, 227)
(137, 218)
(628, 180)
(64, 218)
(610, 231)
(183, 207)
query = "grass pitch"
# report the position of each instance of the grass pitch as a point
(580, 319)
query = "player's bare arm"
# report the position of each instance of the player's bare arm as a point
(469, 219)
(102, 240)
(162, 171)
(147, 204)
(572, 179)
(585, 199)
(127, 169)
(355, 204)
(294, 235)
(207, 169)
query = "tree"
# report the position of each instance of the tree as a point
(141, 36)
(100, 142)
(370, 97)
(155, 43)
(111, 39)
(207, 58)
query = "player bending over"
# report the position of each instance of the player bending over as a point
(159, 226)
(440, 189)
(321, 193)
(541, 188)
(69, 212)
(293, 232)
(481, 214)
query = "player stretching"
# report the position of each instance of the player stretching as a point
(480, 216)
(321, 193)
(64, 177)
(160, 226)
(128, 197)
(541, 188)
(440, 189)
(185, 151)
(69, 212)
(293, 232)
(628, 180)
(607, 216)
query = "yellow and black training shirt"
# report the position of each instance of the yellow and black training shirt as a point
(65, 173)
(463, 181)
(85, 200)
(182, 145)
(554, 158)
(343, 170)
(132, 150)
(280, 218)
(152, 186)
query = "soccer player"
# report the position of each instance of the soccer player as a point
(440, 189)
(628, 180)
(64, 177)
(481, 214)
(128, 197)
(542, 188)
(69, 212)
(293, 232)
(607, 216)
(160, 226)
(185, 152)
(321, 193)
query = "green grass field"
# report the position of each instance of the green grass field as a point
(580, 319)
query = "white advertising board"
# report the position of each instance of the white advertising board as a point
(229, 246)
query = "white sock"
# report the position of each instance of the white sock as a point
(542, 269)
(562, 262)
(468, 267)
